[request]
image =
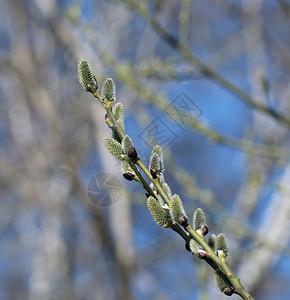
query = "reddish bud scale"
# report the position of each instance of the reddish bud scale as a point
(204, 230)
(129, 176)
(228, 291)
(132, 154)
(183, 220)
(202, 255)
(153, 174)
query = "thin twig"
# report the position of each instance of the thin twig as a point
(205, 69)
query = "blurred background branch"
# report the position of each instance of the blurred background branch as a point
(233, 155)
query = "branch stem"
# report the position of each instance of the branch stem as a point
(212, 259)
(155, 181)
(238, 288)
(144, 183)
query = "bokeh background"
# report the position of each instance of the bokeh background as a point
(229, 61)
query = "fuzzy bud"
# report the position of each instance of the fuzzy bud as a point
(120, 123)
(86, 77)
(221, 244)
(118, 111)
(156, 161)
(158, 213)
(161, 178)
(125, 167)
(166, 189)
(223, 283)
(108, 90)
(154, 165)
(118, 115)
(176, 209)
(212, 242)
(127, 144)
(117, 131)
(114, 147)
(158, 164)
(194, 247)
(199, 221)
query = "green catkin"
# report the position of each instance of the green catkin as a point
(114, 147)
(221, 244)
(158, 213)
(127, 144)
(199, 219)
(86, 77)
(109, 90)
(176, 208)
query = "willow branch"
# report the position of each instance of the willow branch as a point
(238, 288)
